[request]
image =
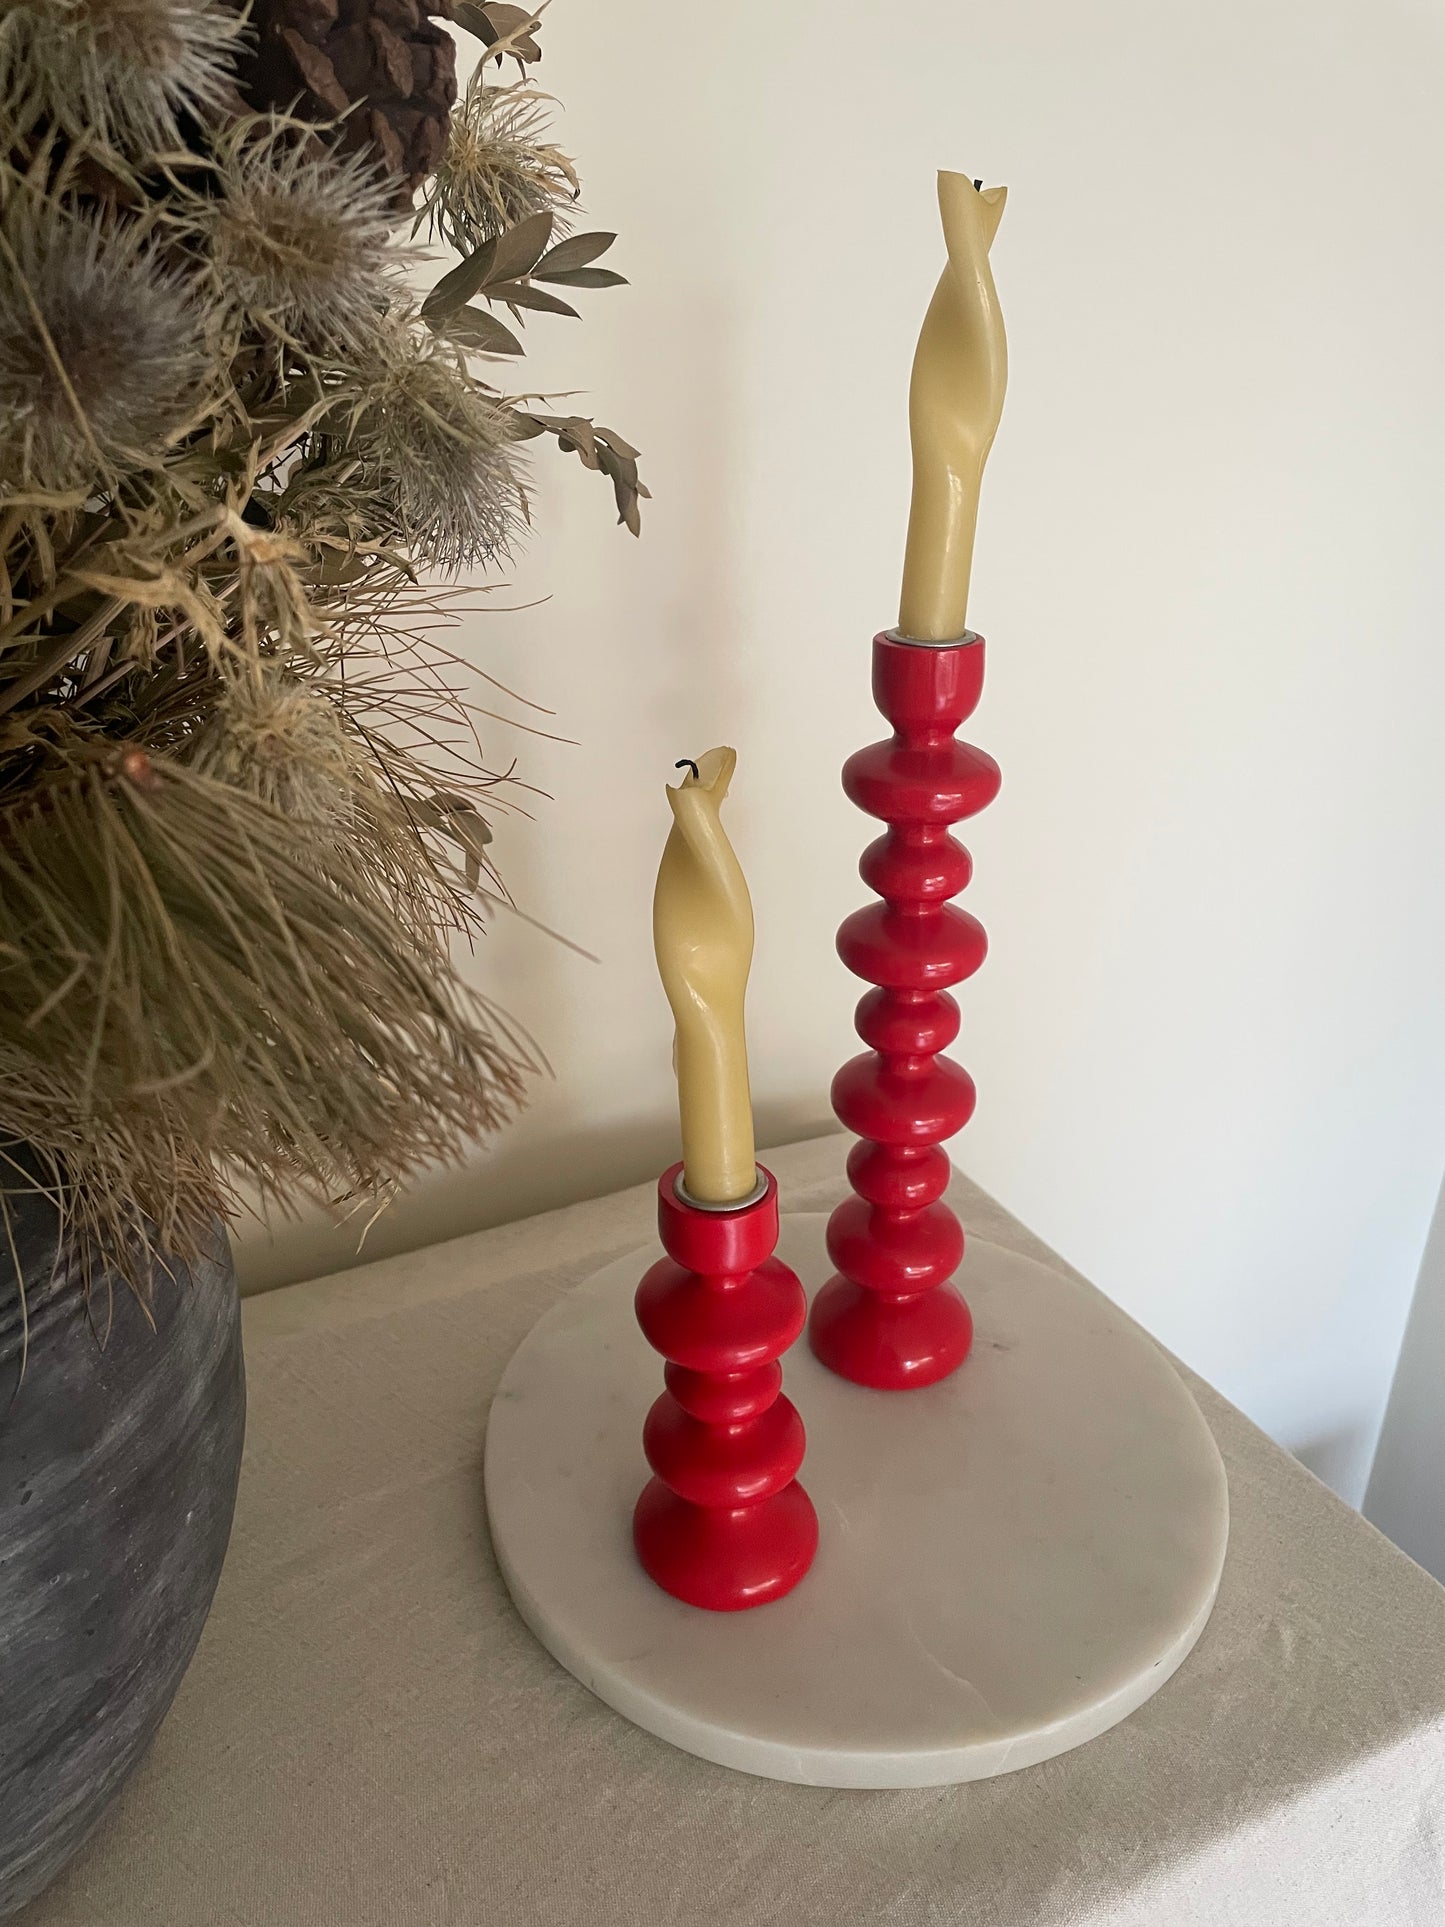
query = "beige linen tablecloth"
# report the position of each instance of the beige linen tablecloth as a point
(369, 1737)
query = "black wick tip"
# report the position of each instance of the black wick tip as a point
(686, 762)
(978, 187)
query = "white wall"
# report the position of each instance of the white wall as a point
(1210, 1038)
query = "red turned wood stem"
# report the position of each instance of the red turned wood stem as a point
(724, 1524)
(890, 1318)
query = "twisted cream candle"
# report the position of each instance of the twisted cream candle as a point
(702, 932)
(955, 399)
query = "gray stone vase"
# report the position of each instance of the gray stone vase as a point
(118, 1468)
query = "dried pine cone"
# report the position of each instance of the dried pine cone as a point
(385, 64)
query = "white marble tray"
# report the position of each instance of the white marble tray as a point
(1010, 1562)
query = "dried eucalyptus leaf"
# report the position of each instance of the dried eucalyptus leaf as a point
(503, 258)
(333, 571)
(615, 441)
(527, 427)
(625, 486)
(574, 434)
(474, 19)
(462, 282)
(516, 25)
(576, 251)
(507, 32)
(628, 513)
(518, 250)
(476, 329)
(520, 294)
(582, 277)
(458, 818)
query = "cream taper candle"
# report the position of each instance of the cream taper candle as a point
(702, 931)
(954, 402)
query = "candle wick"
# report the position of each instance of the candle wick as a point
(978, 187)
(686, 762)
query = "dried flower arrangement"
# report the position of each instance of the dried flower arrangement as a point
(239, 796)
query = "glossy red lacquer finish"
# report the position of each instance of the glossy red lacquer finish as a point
(889, 1317)
(724, 1524)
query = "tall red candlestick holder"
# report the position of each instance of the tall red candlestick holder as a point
(724, 1524)
(889, 1317)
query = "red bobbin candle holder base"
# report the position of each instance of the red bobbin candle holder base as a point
(892, 1344)
(725, 1561)
(723, 1524)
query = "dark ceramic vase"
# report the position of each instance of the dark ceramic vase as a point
(118, 1468)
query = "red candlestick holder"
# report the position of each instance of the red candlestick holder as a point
(890, 1318)
(724, 1524)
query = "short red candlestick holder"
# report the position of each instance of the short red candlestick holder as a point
(890, 1318)
(724, 1524)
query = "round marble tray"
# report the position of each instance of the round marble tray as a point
(1009, 1562)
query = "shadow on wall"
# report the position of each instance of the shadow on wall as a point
(1334, 1457)
(509, 1183)
(1406, 1496)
